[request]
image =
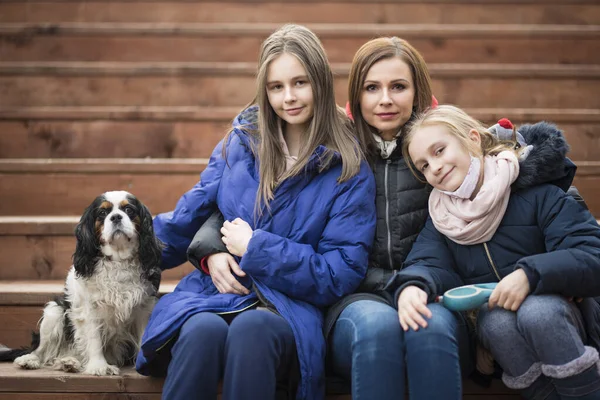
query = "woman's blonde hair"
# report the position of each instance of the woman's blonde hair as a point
(329, 125)
(457, 123)
(372, 52)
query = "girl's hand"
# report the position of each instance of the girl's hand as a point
(511, 291)
(220, 266)
(236, 236)
(412, 306)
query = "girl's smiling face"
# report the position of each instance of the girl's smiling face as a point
(440, 156)
(387, 98)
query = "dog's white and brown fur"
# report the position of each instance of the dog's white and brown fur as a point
(97, 324)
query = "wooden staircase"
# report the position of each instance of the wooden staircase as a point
(134, 95)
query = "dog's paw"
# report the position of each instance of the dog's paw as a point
(101, 368)
(68, 364)
(28, 361)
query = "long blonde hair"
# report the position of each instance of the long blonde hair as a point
(457, 123)
(372, 52)
(329, 125)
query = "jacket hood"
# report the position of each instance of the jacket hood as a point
(547, 161)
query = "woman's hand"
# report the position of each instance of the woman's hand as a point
(236, 236)
(220, 266)
(511, 291)
(412, 307)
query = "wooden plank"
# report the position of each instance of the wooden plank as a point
(187, 139)
(38, 293)
(237, 90)
(18, 322)
(71, 193)
(80, 396)
(555, 44)
(488, 2)
(282, 12)
(180, 69)
(226, 114)
(13, 379)
(121, 139)
(43, 257)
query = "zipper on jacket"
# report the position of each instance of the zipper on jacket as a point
(489, 256)
(387, 213)
(237, 311)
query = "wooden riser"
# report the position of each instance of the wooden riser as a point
(178, 139)
(34, 187)
(327, 12)
(48, 257)
(237, 90)
(553, 44)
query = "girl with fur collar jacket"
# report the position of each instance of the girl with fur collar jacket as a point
(493, 218)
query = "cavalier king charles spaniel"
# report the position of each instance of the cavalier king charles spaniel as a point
(97, 324)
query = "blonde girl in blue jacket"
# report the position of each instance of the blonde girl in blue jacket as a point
(492, 218)
(298, 200)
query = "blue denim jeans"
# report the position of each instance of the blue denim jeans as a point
(541, 348)
(369, 348)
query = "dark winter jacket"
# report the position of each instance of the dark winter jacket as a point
(306, 253)
(544, 231)
(401, 202)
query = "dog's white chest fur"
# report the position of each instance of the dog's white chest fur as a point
(111, 294)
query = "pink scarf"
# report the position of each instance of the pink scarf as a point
(470, 222)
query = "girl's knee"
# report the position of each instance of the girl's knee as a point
(203, 327)
(543, 314)
(256, 326)
(495, 325)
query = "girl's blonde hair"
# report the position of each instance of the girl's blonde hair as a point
(372, 52)
(329, 125)
(457, 123)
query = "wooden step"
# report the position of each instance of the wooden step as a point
(232, 42)
(38, 248)
(46, 384)
(67, 186)
(382, 12)
(233, 84)
(188, 132)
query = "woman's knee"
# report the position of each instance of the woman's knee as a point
(443, 325)
(370, 321)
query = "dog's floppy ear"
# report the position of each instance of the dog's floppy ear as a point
(150, 247)
(88, 245)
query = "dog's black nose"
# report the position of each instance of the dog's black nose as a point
(116, 217)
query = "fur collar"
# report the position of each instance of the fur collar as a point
(547, 161)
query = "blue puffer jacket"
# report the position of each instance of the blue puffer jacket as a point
(544, 231)
(310, 250)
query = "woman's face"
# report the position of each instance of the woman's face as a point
(387, 97)
(289, 91)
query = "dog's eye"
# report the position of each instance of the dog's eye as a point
(129, 211)
(102, 213)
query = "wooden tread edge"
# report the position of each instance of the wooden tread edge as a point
(38, 293)
(446, 70)
(225, 114)
(324, 30)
